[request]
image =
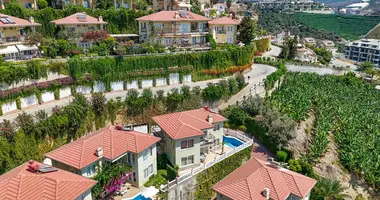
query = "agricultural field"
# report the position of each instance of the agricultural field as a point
(347, 26)
(343, 106)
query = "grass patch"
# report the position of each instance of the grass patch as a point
(159, 179)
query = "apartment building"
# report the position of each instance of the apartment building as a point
(74, 26)
(160, 5)
(187, 136)
(24, 3)
(34, 180)
(224, 30)
(65, 3)
(259, 179)
(174, 28)
(363, 50)
(14, 37)
(113, 145)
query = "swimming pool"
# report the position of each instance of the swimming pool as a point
(231, 141)
(140, 197)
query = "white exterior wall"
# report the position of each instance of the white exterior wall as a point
(64, 92)
(99, 87)
(47, 96)
(195, 150)
(115, 86)
(85, 196)
(221, 197)
(9, 107)
(146, 83)
(222, 37)
(218, 133)
(169, 148)
(28, 101)
(132, 85)
(142, 165)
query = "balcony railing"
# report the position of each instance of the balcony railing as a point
(13, 39)
(171, 31)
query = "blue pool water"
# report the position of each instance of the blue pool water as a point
(141, 197)
(232, 142)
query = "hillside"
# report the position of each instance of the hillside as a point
(347, 26)
(374, 33)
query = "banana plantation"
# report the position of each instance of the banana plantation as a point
(346, 108)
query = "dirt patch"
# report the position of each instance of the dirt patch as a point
(329, 167)
(299, 144)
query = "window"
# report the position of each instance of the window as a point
(185, 28)
(187, 160)
(147, 153)
(217, 126)
(203, 39)
(148, 171)
(187, 144)
(194, 40)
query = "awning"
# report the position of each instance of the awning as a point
(184, 5)
(123, 35)
(149, 192)
(22, 47)
(8, 49)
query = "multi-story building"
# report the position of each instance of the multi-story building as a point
(161, 5)
(259, 179)
(224, 30)
(189, 135)
(363, 50)
(110, 144)
(309, 41)
(34, 180)
(74, 26)
(124, 4)
(65, 3)
(174, 28)
(24, 3)
(14, 42)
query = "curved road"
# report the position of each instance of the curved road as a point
(257, 74)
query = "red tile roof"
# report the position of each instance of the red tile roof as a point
(115, 143)
(73, 20)
(224, 20)
(170, 16)
(249, 180)
(188, 123)
(18, 22)
(20, 183)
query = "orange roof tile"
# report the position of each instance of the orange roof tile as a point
(18, 22)
(170, 16)
(224, 20)
(188, 123)
(74, 20)
(115, 143)
(249, 180)
(20, 183)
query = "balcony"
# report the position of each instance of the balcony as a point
(143, 29)
(12, 40)
(221, 32)
(208, 140)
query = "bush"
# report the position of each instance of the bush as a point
(243, 128)
(281, 156)
(172, 172)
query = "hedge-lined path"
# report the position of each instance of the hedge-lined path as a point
(257, 74)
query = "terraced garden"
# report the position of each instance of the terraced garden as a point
(345, 107)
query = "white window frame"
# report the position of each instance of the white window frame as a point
(148, 171)
(147, 153)
(187, 158)
(187, 144)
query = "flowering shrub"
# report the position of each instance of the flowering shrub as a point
(36, 86)
(72, 52)
(98, 35)
(229, 70)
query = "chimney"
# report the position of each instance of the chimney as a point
(206, 108)
(209, 119)
(266, 193)
(31, 19)
(99, 152)
(100, 18)
(33, 166)
(176, 15)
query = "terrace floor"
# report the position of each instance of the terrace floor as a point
(132, 191)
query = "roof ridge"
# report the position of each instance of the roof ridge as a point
(81, 154)
(272, 182)
(197, 118)
(295, 183)
(111, 138)
(19, 185)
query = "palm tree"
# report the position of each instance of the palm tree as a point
(328, 189)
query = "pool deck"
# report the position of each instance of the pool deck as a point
(133, 191)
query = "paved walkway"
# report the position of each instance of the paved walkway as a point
(257, 74)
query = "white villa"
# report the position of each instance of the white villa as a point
(189, 135)
(110, 144)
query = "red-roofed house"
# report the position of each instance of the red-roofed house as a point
(189, 134)
(65, 3)
(108, 144)
(171, 5)
(13, 37)
(174, 28)
(22, 183)
(224, 30)
(78, 24)
(262, 180)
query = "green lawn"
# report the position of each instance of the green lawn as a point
(347, 26)
(158, 179)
